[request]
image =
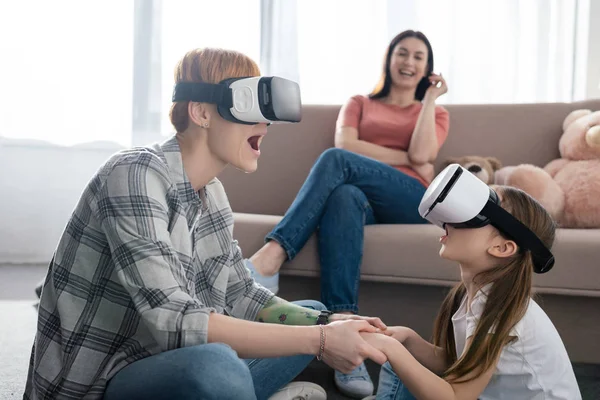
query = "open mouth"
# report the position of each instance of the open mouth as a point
(443, 238)
(406, 73)
(254, 142)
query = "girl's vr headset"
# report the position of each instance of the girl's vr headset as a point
(458, 198)
(253, 100)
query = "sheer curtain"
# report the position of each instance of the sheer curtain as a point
(74, 72)
(66, 70)
(511, 51)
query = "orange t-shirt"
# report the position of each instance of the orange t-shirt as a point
(389, 125)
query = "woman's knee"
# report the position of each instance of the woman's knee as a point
(332, 157)
(214, 371)
(347, 196)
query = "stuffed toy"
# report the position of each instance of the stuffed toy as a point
(568, 187)
(482, 167)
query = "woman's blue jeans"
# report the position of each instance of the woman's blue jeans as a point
(344, 192)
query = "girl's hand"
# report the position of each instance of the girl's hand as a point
(346, 348)
(376, 322)
(438, 86)
(380, 341)
(400, 333)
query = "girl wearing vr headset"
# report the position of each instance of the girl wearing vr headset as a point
(385, 146)
(147, 295)
(491, 339)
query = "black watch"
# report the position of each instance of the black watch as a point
(324, 317)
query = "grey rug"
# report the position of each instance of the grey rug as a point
(17, 329)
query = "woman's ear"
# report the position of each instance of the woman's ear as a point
(199, 114)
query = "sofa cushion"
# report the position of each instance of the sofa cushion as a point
(409, 254)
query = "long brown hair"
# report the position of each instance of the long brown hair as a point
(210, 65)
(385, 81)
(507, 300)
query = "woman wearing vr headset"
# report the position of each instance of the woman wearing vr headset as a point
(147, 295)
(491, 339)
(385, 146)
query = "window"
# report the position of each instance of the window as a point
(75, 72)
(341, 46)
(66, 70)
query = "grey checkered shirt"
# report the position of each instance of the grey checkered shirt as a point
(143, 261)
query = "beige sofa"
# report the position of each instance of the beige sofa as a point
(403, 278)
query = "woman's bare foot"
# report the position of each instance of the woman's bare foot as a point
(269, 258)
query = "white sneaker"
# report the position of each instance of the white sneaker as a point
(300, 391)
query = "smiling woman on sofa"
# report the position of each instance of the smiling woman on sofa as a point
(386, 144)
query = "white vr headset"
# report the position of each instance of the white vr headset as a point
(253, 100)
(458, 198)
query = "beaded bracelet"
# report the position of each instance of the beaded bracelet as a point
(322, 347)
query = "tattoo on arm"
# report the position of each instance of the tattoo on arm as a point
(279, 311)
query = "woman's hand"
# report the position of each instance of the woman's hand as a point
(438, 86)
(400, 333)
(345, 349)
(376, 322)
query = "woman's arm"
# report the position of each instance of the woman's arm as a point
(344, 348)
(424, 146)
(421, 382)
(347, 138)
(256, 340)
(280, 311)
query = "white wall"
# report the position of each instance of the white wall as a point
(39, 187)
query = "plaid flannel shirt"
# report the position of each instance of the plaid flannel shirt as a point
(143, 261)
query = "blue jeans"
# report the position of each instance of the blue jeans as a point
(344, 192)
(208, 371)
(390, 386)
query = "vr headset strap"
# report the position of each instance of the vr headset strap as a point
(203, 93)
(513, 228)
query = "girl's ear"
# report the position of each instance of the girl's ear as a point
(503, 248)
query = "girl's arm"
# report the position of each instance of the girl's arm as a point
(424, 146)
(420, 381)
(432, 357)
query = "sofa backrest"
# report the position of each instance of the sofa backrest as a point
(514, 133)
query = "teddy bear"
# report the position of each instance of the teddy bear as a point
(568, 187)
(482, 167)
